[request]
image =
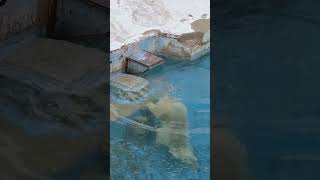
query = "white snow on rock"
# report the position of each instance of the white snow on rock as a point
(130, 18)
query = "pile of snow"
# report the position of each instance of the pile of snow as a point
(130, 18)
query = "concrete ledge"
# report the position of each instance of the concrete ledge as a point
(128, 86)
(187, 46)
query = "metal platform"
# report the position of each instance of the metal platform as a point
(142, 61)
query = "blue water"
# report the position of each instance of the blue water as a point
(136, 158)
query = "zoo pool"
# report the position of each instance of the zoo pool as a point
(138, 157)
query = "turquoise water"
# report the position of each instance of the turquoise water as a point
(134, 153)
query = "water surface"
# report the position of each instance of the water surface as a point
(133, 157)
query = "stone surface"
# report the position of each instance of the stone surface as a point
(128, 83)
(139, 25)
(201, 25)
(134, 17)
(206, 37)
(188, 46)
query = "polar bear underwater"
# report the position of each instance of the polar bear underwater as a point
(173, 133)
(173, 130)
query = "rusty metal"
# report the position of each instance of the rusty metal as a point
(142, 61)
(146, 59)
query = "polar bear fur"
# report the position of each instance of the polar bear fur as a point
(173, 132)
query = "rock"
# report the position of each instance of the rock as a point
(128, 86)
(128, 82)
(188, 46)
(201, 25)
(206, 37)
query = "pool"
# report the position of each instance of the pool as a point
(134, 153)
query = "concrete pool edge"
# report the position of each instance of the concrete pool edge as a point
(187, 46)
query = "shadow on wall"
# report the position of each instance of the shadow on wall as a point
(230, 159)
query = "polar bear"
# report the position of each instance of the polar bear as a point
(173, 132)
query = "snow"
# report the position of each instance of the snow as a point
(130, 18)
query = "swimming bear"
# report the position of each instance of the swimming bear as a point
(173, 132)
